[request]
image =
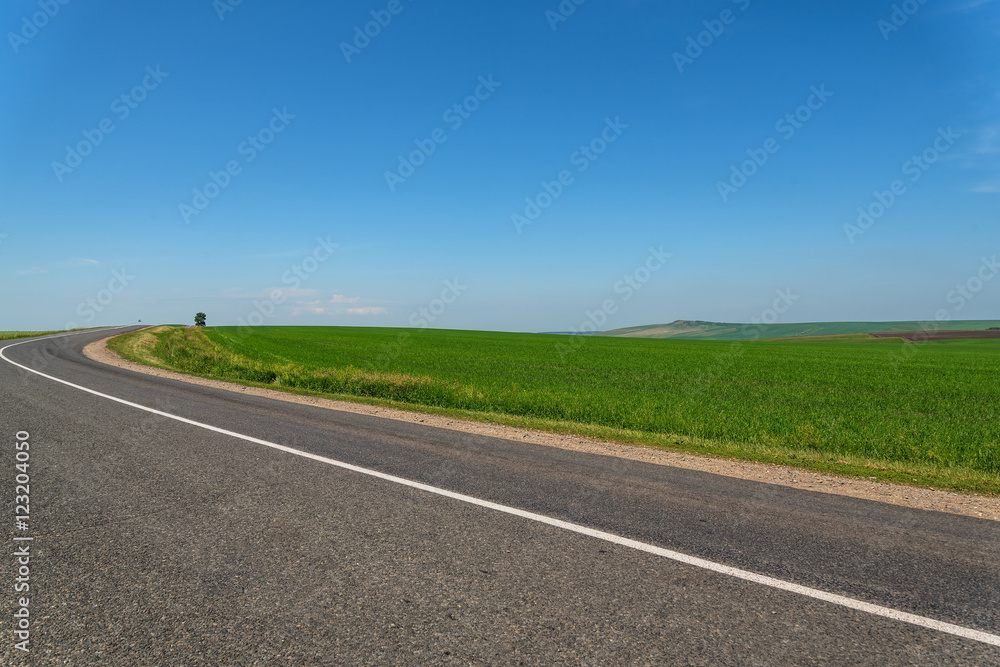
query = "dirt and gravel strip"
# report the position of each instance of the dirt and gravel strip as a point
(924, 499)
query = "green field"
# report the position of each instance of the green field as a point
(698, 330)
(927, 413)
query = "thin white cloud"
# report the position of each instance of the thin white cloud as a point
(286, 293)
(83, 261)
(340, 298)
(33, 271)
(367, 310)
(310, 307)
(988, 141)
(988, 187)
(962, 6)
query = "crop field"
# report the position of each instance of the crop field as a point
(927, 412)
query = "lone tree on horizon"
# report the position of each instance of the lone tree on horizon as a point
(199, 319)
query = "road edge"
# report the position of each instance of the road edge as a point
(980, 507)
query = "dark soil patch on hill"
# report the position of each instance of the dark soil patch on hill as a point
(922, 336)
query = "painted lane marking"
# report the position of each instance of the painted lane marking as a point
(745, 575)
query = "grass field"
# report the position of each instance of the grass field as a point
(927, 413)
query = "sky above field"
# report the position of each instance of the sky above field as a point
(520, 166)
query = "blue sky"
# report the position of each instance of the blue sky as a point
(117, 119)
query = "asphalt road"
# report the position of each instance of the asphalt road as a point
(160, 542)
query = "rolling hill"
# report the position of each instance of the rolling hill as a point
(699, 330)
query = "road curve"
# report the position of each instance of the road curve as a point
(187, 525)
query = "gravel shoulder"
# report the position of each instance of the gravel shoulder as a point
(916, 498)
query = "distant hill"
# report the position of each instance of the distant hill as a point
(696, 329)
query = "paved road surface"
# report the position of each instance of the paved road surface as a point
(161, 542)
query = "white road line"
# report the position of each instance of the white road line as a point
(850, 603)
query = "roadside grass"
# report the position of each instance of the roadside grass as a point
(138, 346)
(11, 335)
(920, 414)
